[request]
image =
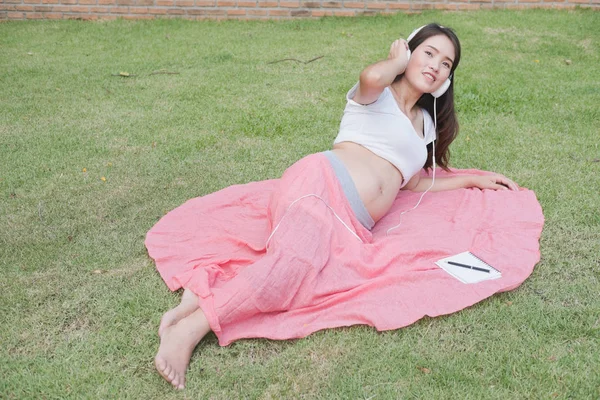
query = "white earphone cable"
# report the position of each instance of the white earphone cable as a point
(324, 202)
(432, 165)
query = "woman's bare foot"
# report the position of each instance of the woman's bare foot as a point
(189, 304)
(177, 343)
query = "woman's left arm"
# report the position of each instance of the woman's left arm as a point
(493, 181)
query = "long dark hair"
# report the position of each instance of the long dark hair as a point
(447, 123)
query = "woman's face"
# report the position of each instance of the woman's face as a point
(430, 63)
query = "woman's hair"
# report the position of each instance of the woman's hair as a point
(447, 123)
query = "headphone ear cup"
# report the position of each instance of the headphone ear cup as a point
(442, 89)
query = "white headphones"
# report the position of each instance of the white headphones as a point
(446, 83)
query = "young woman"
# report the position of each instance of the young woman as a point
(386, 137)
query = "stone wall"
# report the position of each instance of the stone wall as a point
(252, 9)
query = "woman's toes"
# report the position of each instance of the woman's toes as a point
(168, 371)
(178, 381)
(163, 367)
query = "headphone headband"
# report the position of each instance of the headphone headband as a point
(413, 33)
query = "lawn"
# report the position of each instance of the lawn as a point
(91, 159)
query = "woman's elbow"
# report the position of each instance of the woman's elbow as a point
(371, 78)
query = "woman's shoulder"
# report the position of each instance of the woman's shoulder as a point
(381, 100)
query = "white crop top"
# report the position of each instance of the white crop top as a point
(386, 131)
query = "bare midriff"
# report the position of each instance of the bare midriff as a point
(377, 180)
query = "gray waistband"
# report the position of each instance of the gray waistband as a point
(350, 191)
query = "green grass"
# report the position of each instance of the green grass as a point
(80, 299)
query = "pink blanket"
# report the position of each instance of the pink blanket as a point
(320, 270)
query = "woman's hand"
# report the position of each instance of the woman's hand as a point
(494, 182)
(398, 51)
(376, 77)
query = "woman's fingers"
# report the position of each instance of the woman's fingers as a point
(497, 186)
(398, 48)
(503, 183)
(495, 182)
(501, 179)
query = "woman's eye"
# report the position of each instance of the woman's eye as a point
(428, 53)
(446, 65)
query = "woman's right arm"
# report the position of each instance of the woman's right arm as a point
(378, 76)
(490, 181)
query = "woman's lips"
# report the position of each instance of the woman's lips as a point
(429, 76)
